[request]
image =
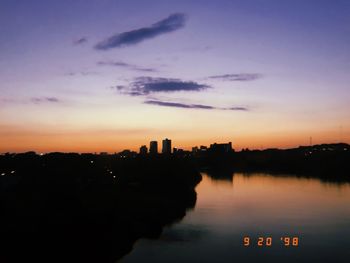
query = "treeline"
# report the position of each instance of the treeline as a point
(326, 161)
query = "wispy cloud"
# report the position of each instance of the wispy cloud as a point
(81, 73)
(178, 105)
(7, 100)
(80, 41)
(191, 106)
(33, 100)
(126, 65)
(237, 77)
(167, 25)
(237, 109)
(146, 85)
(39, 100)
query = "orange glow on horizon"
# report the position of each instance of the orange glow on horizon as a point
(21, 141)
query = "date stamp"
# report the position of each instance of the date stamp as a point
(269, 241)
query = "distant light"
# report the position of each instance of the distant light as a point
(91, 161)
(12, 172)
(41, 154)
(110, 172)
(3, 174)
(114, 176)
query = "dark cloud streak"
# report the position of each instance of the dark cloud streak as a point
(191, 106)
(237, 109)
(126, 65)
(81, 73)
(80, 41)
(167, 25)
(237, 77)
(178, 105)
(145, 85)
(39, 100)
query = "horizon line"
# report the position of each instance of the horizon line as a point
(112, 153)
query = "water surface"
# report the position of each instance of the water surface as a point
(257, 205)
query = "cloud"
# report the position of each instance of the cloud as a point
(126, 65)
(191, 106)
(7, 100)
(178, 105)
(237, 77)
(39, 100)
(33, 100)
(237, 108)
(81, 73)
(146, 85)
(80, 41)
(167, 25)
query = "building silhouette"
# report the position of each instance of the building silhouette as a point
(166, 146)
(221, 147)
(203, 148)
(143, 150)
(127, 154)
(153, 147)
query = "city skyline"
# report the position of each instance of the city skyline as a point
(93, 76)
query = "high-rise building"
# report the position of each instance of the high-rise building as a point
(166, 146)
(153, 147)
(143, 150)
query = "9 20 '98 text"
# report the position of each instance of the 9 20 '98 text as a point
(268, 241)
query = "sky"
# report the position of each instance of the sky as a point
(108, 75)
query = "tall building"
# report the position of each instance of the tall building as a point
(153, 147)
(143, 150)
(166, 146)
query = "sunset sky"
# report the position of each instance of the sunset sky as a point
(107, 75)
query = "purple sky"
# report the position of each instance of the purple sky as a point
(119, 73)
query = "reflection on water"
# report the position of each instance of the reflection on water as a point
(257, 205)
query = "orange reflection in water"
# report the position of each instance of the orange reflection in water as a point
(265, 201)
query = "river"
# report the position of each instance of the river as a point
(297, 220)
